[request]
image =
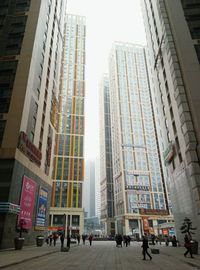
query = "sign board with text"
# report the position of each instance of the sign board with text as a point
(27, 202)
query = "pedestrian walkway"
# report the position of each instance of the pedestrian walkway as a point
(101, 255)
(11, 257)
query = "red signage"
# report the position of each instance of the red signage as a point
(29, 149)
(27, 202)
(153, 212)
(165, 231)
(55, 228)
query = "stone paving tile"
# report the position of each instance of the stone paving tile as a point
(103, 256)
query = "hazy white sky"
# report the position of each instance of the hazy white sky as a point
(107, 21)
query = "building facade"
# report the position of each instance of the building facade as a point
(172, 29)
(97, 188)
(30, 55)
(140, 195)
(66, 206)
(106, 173)
(89, 194)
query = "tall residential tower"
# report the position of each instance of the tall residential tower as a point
(30, 56)
(66, 207)
(106, 173)
(173, 36)
(140, 195)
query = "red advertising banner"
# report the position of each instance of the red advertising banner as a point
(165, 231)
(145, 224)
(27, 202)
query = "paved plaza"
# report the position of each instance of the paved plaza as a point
(99, 256)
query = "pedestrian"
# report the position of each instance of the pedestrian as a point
(166, 240)
(160, 239)
(156, 239)
(188, 245)
(145, 246)
(83, 238)
(153, 239)
(116, 240)
(62, 238)
(174, 241)
(90, 239)
(47, 240)
(78, 238)
(129, 240)
(119, 240)
(54, 239)
(50, 239)
(124, 237)
(68, 241)
(125, 241)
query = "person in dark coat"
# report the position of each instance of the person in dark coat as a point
(174, 241)
(125, 240)
(145, 246)
(83, 238)
(188, 245)
(78, 238)
(62, 238)
(90, 239)
(54, 239)
(68, 241)
(153, 239)
(129, 240)
(50, 239)
(118, 239)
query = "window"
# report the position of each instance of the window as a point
(2, 128)
(7, 75)
(197, 48)
(75, 220)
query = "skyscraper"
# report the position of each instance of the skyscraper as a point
(172, 29)
(68, 175)
(30, 50)
(97, 188)
(106, 174)
(89, 188)
(140, 195)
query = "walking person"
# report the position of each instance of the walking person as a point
(116, 240)
(166, 240)
(83, 238)
(125, 241)
(153, 239)
(62, 238)
(129, 240)
(90, 239)
(188, 245)
(54, 239)
(174, 241)
(145, 246)
(78, 238)
(50, 239)
(68, 241)
(47, 240)
(119, 240)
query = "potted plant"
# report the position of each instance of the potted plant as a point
(187, 228)
(19, 240)
(39, 240)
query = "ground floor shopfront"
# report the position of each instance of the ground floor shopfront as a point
(25, 195)
(66, 220)
(137, 225)
(108, 226)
